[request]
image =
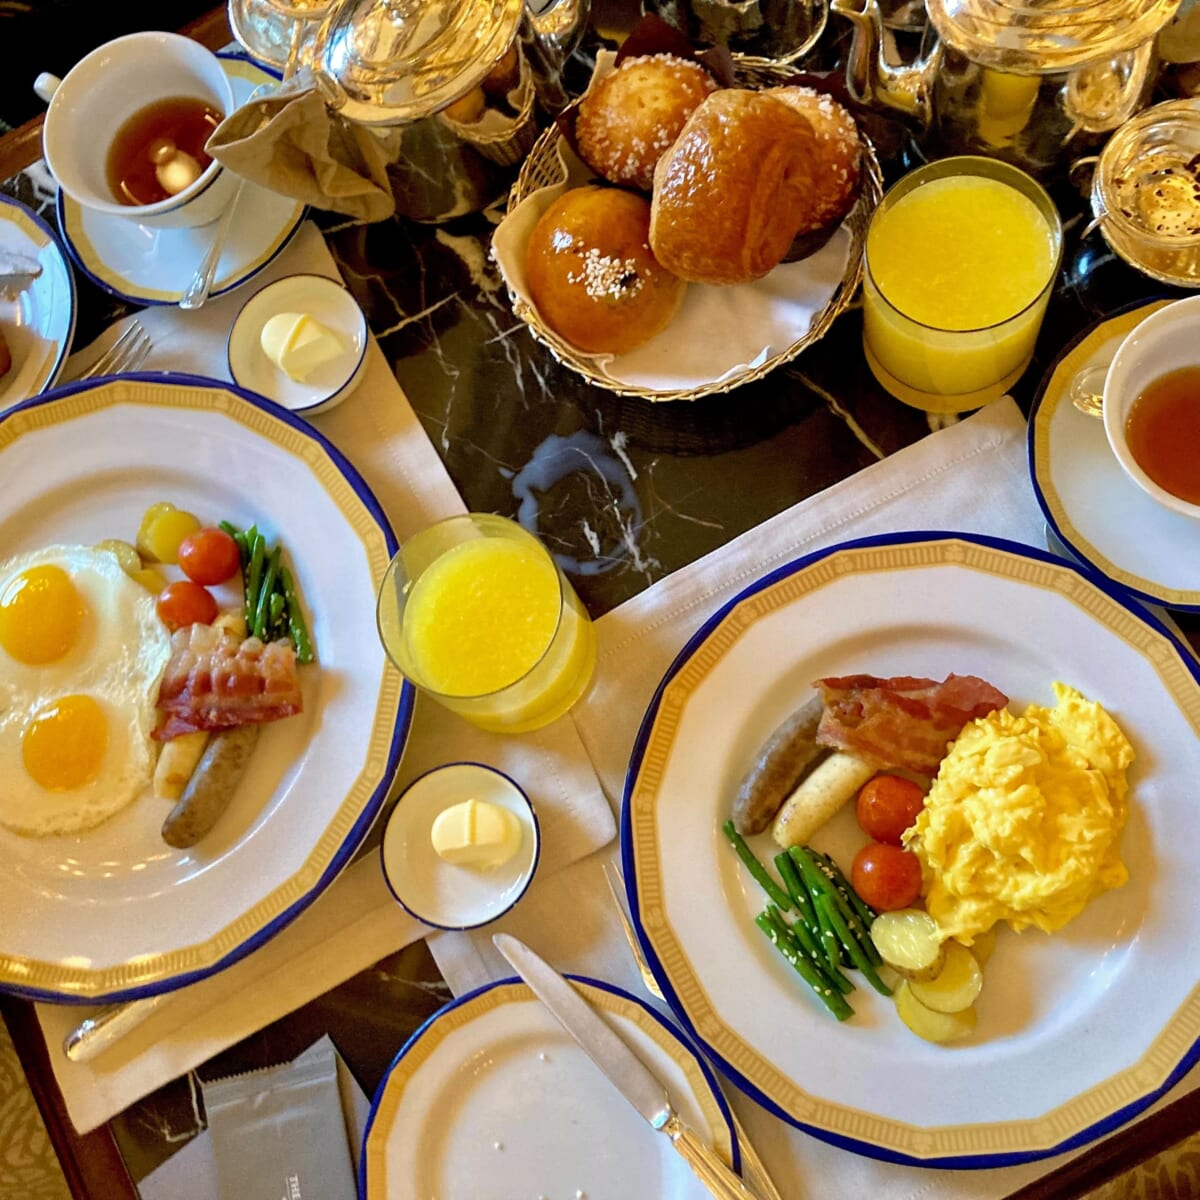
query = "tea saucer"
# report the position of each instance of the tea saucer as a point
(39, 322)
(153, 266)
(1090, 504)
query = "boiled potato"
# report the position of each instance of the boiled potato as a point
(909, 940)
(930, 1025)
(151, 578)
(163, 527)
(956, 986)
(983, 945)
(126, 555)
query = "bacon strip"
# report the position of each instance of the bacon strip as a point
(216, 681)
(904, 721)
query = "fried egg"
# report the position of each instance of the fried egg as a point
(81, 654)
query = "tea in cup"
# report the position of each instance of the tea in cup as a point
(1152, 406)
(125, 131)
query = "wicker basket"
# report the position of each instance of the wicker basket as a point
(544, 168)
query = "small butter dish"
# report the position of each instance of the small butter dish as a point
(326, 301)
(443, 893)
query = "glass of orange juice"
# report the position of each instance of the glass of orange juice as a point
(476, 613)
(960, 258)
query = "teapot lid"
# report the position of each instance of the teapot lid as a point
(387, 62)
(1028, 37)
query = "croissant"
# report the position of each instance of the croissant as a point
(735, 188)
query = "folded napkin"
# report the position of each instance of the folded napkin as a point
(291, 143)
(356, 922)
(970, 476)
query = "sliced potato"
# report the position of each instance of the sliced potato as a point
(930, 1025)
(956, 986)
(909, 940)
(983, 945)
(127, 556)
(821, 793)
(151, 578)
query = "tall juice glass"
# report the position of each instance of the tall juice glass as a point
(960, 259)
(475, 612)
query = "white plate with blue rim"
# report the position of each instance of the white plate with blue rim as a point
(39, 322)
(113, 913)
(1077, 1032)
(492, 1099)
(154, 266)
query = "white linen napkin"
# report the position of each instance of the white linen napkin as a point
(971, 476)
(356, 922)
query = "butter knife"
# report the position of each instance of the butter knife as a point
(624, 1070)
(17, 272)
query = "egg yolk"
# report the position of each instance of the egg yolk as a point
(40, 615)
(65, 742)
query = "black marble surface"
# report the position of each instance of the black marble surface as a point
(623, 491)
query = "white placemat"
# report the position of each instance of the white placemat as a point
(356, 922)
(971, 476)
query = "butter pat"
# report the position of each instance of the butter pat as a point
(476, 834)
(298, 344)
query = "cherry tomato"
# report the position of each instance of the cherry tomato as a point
(887, 805)
(209, 556)
(886, 877)
(185, 603)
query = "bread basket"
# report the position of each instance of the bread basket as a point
(544, 168)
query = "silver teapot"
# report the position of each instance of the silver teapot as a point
(449, 89)
(1033, 82)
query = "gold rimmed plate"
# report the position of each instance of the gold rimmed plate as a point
(113, 912)
(1070, 1040)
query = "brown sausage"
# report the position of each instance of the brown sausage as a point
(789, 754)
(211, 786)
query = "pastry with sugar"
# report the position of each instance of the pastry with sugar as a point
(592, 276)
(631, 116)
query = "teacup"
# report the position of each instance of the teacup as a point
(102, 91)
(1165, 342)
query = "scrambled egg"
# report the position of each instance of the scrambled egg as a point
(1023, 822)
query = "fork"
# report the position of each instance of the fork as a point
(127, 353)
(753, 1170)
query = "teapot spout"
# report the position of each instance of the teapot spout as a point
(871, 79)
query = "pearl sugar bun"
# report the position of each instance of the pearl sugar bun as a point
(592, 276)
(631, 116)
(837, 154)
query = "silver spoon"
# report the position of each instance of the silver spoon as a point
(1087, 389)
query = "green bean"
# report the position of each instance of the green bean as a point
(778, 937)
(295, 615)
(275, 610)
(254, 574)
(817, 885)
(866, 914)
(778, 896)
(809, 941)
(795, 887)
(826, 903)
(264, 597)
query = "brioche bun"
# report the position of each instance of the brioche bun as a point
(734, 189)
(592, 276)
